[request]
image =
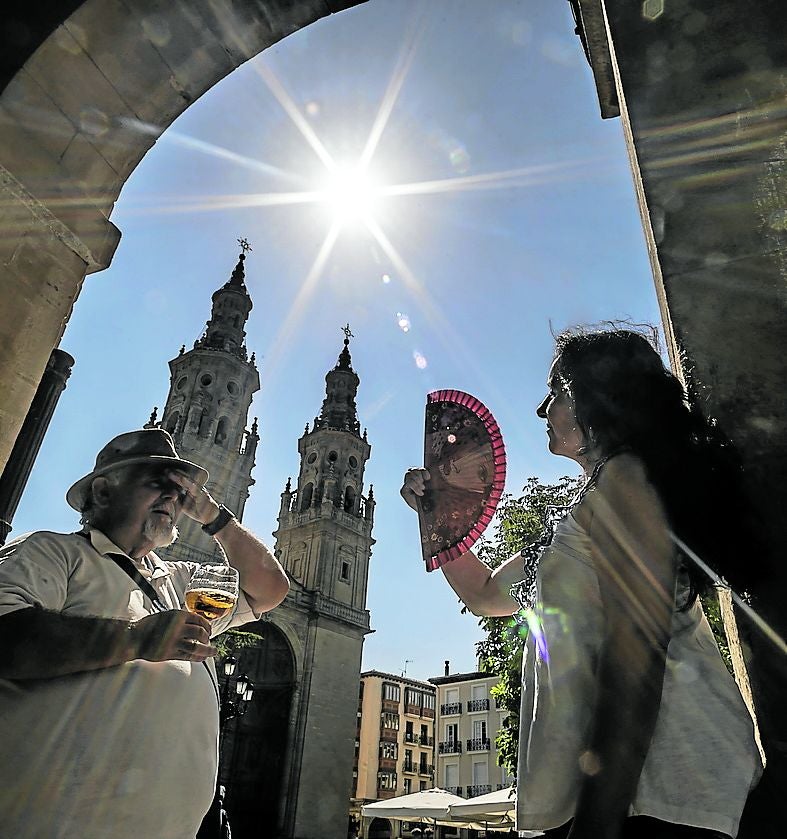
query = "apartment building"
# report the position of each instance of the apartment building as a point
(394, 747)
(467, 723)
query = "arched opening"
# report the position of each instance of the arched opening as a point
(306, 498)
(349, 499)
(172, 422)
(220, 437)
(255, 746)
(380, 829)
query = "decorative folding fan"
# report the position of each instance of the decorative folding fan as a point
(466, 459)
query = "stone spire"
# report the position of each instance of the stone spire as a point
(229, 313)
(341, 385)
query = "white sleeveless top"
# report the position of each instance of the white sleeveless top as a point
(703, 759)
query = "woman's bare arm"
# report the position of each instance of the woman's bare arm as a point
(636, 566)
(483, 591)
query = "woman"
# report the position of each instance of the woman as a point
(631, 725)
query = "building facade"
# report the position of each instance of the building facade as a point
(395, 735)
(287, 762)
(468, 720)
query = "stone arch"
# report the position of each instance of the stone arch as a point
(85, 96)
(380, 828)
(255, 748)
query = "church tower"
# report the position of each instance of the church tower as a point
(324, 538)
(302, 738)
(211, 388)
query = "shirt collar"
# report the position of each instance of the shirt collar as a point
(153, 568)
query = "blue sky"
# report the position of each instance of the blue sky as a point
(522, 220)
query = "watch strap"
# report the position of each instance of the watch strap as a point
(222, 520)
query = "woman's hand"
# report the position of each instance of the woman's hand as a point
(414, 486)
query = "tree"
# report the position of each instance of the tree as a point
(520, 522)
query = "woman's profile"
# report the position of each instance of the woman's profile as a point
(631, 725)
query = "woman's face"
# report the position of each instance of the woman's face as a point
(565, 436)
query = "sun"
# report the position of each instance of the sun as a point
(351, 194)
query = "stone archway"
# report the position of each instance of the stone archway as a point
(255, 746)
(87, 89)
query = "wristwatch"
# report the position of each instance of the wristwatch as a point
(222, 520)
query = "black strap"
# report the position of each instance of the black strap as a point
(125, 564)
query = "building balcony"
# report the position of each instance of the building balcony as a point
(425, 769)
(427, 713)
(391, 706)
(454, 790)
(410, 767)
(450, 747)
(479, 745)
(451, 709)
(389, 735)
(478, 789)
(385, 793)
(477, 705)
(410, 737)
(425, 740)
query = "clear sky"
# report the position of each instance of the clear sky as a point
(501, 208)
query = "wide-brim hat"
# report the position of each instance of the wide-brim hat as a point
(148, 445)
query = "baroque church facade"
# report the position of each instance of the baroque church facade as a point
(287, 763)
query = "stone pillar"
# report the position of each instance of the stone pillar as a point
(23, 455)
(701, 87)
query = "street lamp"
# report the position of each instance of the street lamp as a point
(234, 705)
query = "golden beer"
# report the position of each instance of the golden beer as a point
(210, 603)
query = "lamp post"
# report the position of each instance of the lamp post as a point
(234, 703)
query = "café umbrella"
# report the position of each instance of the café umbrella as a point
(428, 804)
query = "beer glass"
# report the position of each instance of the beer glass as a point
(213, 591)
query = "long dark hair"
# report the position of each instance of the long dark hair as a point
(625, 399)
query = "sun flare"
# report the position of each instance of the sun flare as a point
(351, 195)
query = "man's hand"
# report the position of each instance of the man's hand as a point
(179, 635)
(198, 503)
(414, 486)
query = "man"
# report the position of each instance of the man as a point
(108, 698)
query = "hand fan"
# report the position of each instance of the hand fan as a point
(466, 459)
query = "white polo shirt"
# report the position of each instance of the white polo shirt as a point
(127, 752)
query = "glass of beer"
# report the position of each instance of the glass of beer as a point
(213, 591)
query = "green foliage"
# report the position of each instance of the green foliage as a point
(519, 522)
(712, 609)
(233, 641)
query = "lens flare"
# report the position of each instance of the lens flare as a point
(402, 321)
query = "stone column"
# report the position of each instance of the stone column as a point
(23, 455)
(702, 93)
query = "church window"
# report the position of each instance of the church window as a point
(182, 382)
(306, 497)
(205, 379)
(172, 422)
(332, 457)
(349, 500)
(353, 462)
(204, 422)
(312, 457)
(221, 432)
(232, 388)
(344, 574)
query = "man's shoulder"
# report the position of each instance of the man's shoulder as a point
(42, 540)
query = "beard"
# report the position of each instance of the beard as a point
(159, 531)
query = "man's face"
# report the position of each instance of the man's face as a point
(148, 502)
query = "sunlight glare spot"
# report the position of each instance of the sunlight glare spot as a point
(420, 360)
(386, 278)
(402, 321)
